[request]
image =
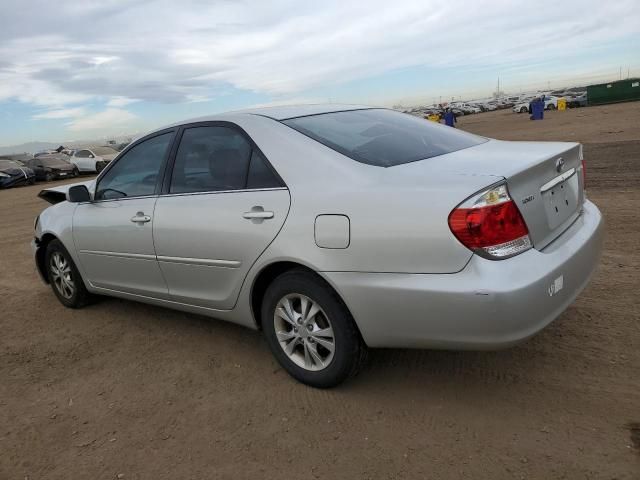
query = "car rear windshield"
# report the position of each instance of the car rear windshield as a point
(381, 137)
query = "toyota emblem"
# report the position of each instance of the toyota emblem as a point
(559, 164)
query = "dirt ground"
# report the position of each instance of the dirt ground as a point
(125, 390)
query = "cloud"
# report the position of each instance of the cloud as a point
(60, 113)
(120, 101)
(155, 52)
(109, 119)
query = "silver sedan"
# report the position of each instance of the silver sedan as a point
(331, 229)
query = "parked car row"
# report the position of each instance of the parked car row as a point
(573, 100)
(48, 165)
(463, 108)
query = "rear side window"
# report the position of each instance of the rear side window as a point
(216, 158)
(260, 174)
(210, 159)
(383, 138)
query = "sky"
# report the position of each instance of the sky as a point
(72, 70)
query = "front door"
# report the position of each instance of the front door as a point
(225, 205)
(114, 233)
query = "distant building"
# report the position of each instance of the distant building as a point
(612, 92)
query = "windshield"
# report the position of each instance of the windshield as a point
(104, 151)
(383, 138)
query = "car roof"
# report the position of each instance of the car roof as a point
(283, 112)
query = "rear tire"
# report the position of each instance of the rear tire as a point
(524, 110)
(64, 277)
(551, 106)
(75, 172)
(320, 349)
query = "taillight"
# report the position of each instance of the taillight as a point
(490, 224)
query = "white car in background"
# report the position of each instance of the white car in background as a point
(93, 159)
(550, 103)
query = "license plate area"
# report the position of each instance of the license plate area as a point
(561, 200)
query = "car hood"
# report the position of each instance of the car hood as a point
(14, 171)
(108, 158)
(58, 194)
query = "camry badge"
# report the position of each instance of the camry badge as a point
(559, 164)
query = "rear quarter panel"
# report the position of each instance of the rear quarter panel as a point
(398, 215)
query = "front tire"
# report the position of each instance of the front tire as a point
(310, 331)
(524, 110)
(49, 176)
(551, 106)
(64, 277)
(75, 172)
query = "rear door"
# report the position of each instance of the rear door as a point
(223, 205)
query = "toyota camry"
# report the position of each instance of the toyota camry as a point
(332, 229)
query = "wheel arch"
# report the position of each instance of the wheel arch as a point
(41, 252)
(270, 272)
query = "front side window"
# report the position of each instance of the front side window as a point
(83, 154)
(136, 172)
(383, 138)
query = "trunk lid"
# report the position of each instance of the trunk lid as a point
(544, 179)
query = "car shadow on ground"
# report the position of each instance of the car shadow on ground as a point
(385, 368)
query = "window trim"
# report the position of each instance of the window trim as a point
(161, 172)
(166, 184)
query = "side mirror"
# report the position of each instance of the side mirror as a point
(78, 193)
(91, 155)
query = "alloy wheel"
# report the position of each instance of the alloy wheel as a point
(304, 332)
(61, 275)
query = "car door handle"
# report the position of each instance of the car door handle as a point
(140, 217)
(257, 214)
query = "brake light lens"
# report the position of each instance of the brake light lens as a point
(491, 225)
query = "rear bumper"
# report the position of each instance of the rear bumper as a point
(488, 305)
